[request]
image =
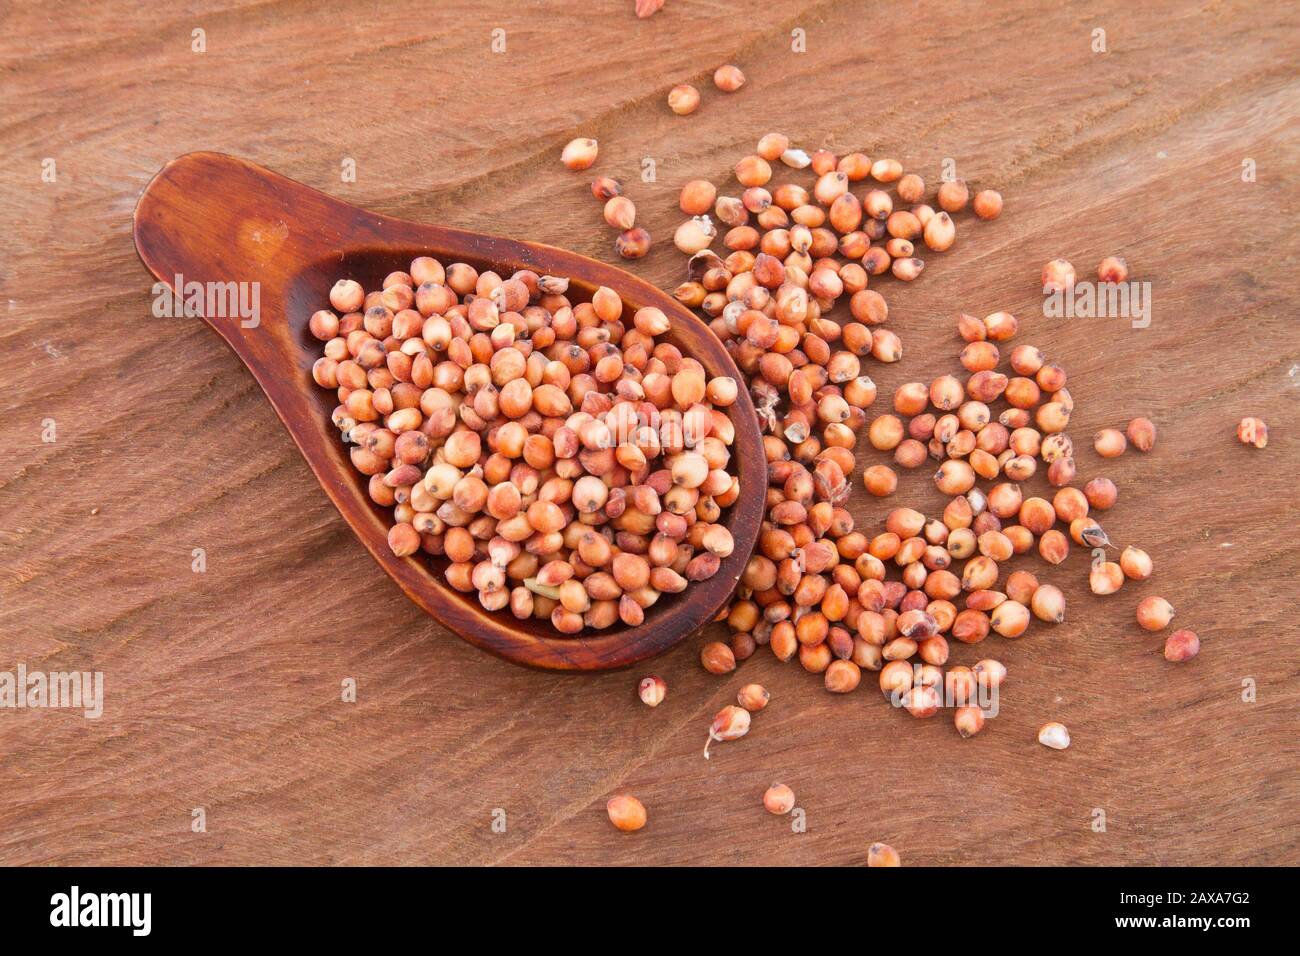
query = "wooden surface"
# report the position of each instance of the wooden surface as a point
(204, 218)
(223, 688)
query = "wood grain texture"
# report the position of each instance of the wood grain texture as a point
(223, 688)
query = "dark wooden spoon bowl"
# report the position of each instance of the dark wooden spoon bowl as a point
(212, 218)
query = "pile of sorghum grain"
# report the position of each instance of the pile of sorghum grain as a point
(817, 587)
(791, 256)
(566, 462)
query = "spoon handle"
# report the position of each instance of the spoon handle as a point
(210, 217)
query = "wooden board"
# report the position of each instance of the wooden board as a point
(223, 688)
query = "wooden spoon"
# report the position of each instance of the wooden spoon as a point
(212, 218)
